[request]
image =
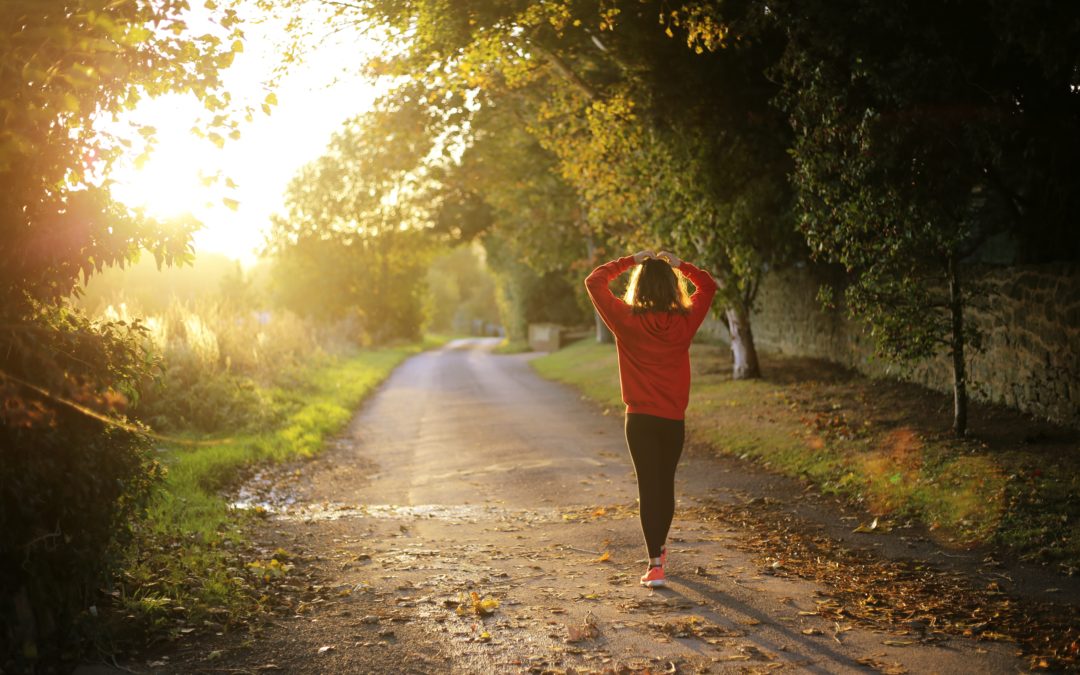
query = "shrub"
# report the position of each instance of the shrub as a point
(75, 474)
(215, 356)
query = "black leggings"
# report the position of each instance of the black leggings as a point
(655, 445)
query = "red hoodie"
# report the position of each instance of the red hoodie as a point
(654, 347)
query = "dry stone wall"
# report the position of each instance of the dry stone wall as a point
(1031, 337)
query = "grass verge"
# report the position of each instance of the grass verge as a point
(508, 346)
(191, 567)
(1014, 483)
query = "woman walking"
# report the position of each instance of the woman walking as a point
(653, 325)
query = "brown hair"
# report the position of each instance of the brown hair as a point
(656, 287)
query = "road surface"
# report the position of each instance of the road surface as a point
(466, 473)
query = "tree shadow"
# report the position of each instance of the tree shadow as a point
(806, 647)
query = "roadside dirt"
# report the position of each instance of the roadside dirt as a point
(475, 518)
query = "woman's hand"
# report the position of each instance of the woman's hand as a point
(670, 258)
(642, 256)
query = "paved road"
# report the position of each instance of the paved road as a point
(467, 473)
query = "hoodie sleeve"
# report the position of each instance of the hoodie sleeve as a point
(705, 289)
(607, 305)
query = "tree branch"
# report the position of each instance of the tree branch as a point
(1015, 201)
(565, 71)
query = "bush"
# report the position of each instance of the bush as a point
(73, 479)
(69, 496)
(214, 357)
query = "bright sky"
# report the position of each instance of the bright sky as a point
(313, 101)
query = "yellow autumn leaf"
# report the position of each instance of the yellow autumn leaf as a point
(481, 606)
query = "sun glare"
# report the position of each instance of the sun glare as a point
(234, 190)
(170, 182)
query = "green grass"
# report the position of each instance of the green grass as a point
(872, 442)
(189, 551)
(591, 367)
(508, 346)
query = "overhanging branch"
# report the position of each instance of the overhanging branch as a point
(564, 71)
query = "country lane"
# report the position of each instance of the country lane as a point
(476, 518)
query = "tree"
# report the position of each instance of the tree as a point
(658, 143)
(352, 242)
(66, 382)
(64, 65)
(524, 213)
(911, 153)
(461, 291)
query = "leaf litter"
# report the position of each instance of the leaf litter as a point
(911, 596)
(475, 604)
(586, 630)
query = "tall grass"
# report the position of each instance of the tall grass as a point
(219, 363)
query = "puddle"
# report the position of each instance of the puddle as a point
(268, 494)
(510, 467)
(289, 509)
(264, 492)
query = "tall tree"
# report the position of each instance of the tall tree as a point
(65, 381)
(531, 224)
(911, 152)
(658, 142)
(64, 64)
(351, 243)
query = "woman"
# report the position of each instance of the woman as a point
(653, 325)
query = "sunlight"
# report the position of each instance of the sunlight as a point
(169, 183)
(235, 189)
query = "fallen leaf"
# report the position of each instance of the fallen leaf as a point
(476, 605)
(586, 631)
(863, 527)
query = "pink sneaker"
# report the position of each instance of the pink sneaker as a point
(663, 556)
(654, 578)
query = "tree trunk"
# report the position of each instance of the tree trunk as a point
(603, 335)
(956, 308)
(744, 353)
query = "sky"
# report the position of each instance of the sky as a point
(313, 101)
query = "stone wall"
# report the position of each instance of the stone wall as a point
(1031, 337)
